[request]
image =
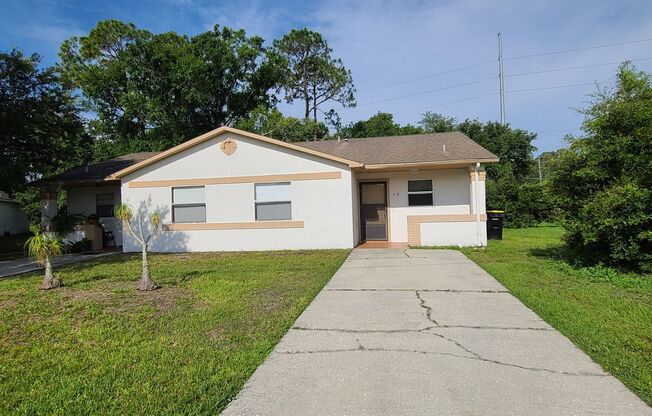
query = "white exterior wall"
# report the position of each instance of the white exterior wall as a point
(323, 205)
(451, 196)
(83, 201)
(12, 219)
(453, 233)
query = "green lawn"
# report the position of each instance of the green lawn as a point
(12, 246)
(606, 313)
(97, 346)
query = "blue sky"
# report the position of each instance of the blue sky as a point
(388, 42)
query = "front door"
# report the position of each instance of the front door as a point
(373, 210)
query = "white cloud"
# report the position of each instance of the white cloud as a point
(53, 35)
(389, 41)
(251, 16)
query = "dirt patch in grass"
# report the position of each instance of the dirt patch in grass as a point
(224, 331)
(7, 304)
(122, 297)
(271, 300)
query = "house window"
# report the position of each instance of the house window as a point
(420, 192)
(188, 204)
(273, 201)
(104, 205)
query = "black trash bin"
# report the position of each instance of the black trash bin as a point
(495, 225)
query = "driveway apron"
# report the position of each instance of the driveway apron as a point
(426, 332)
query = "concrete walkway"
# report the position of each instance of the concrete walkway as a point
(426, 332)
(25, 265)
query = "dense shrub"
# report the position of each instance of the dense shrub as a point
(615, 224)
(525, 204)
(602, 182)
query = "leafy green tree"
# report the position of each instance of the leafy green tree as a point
(513, 146)
(151, 92)
(437, 123)
(41, 131)
(43, 247)
(273, 123)
(311, 74)
(602, 182)
(380, 124)
(541, 165)
(525, 203)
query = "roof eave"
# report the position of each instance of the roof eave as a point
(74, 182)
(425, 165)
(216, 132)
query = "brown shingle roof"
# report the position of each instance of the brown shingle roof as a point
(416, 148)
(98, 171)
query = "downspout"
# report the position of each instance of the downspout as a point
(477, 205)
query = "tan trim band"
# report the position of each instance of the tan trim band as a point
(218, 131)
(249, 225)
(414, 223)
(445, 218)
(482, 175)
(284, 177)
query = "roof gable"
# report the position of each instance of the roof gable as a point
(214, 133)
(375, 153)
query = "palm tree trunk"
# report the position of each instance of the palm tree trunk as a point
(145, 282)
(49, 281)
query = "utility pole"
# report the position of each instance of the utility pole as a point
(501, 76)
(540, 176)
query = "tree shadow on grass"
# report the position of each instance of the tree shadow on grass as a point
(82, 269)
(563, 253)
(581, 261)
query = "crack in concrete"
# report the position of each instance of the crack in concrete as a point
(428, 309)
(430, 331)
(365, 349)
(404, 266)
(456, 343)
(371, 331)
(360, 346)
(473, 355)
(488, 291)
(505, 328)
(363, 331)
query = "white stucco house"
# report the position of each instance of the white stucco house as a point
(12, 219)
(233, 190)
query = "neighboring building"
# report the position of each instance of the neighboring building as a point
(12, 219)
(233, 190)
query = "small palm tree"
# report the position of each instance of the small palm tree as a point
(124, 212)
(43, 247)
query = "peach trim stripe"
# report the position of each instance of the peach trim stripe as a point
(249, 225)
(284, 177)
